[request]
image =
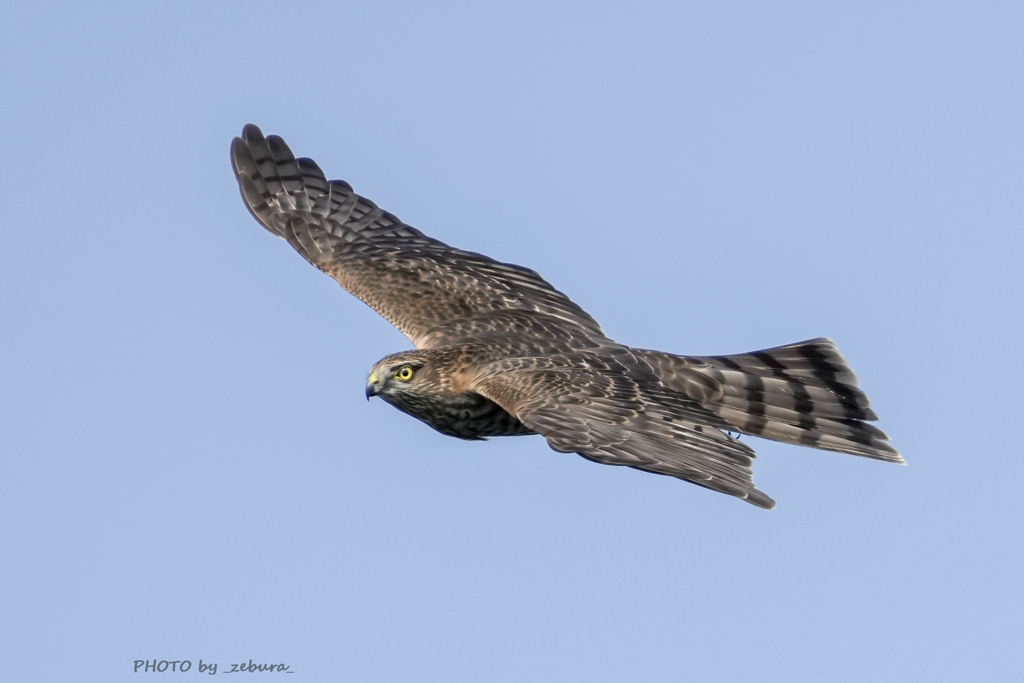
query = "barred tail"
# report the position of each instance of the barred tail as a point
(804, 394)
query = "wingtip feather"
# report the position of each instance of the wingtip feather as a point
(759, 499)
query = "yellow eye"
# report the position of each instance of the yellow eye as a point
(404, 374)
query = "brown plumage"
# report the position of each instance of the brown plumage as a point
(500, 352)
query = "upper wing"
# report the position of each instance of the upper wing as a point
(414, 281)
(606, 416)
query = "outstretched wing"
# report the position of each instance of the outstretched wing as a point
(606, 416)
(414, 281)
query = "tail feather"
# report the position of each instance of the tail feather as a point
(824, 420)
(804, 394)
(856, 441)
(739, 386)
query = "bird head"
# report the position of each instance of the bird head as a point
(402, 376)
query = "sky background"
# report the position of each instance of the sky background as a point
(189, 468)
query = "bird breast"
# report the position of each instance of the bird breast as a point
(467, 415)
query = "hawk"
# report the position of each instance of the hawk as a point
(500, 352)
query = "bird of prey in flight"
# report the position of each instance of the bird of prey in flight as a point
(500, 352)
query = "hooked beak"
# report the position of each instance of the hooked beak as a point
(372, 386)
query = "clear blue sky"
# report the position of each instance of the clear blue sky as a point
(190, 469)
